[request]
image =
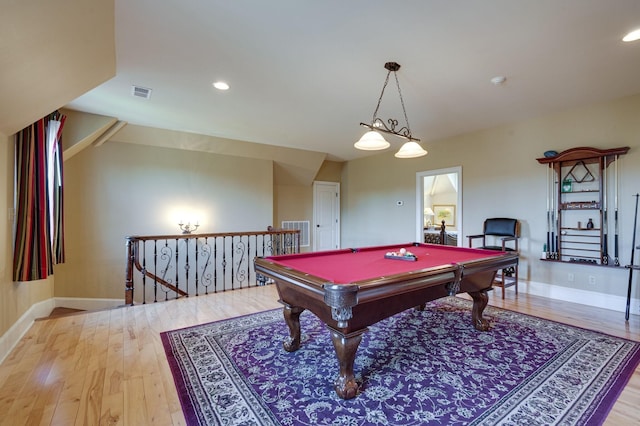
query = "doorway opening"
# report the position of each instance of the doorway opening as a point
(438, 198)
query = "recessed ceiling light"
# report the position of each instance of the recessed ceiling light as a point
(498, 80)
(632, 36)
(221, 85)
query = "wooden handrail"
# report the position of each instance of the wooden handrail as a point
(206, 263)
(212, 235)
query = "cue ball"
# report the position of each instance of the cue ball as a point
(403, 251)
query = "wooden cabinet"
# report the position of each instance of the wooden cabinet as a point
(582, 205)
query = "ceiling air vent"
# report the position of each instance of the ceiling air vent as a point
(140, 92)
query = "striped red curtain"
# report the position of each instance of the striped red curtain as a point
(39, 232)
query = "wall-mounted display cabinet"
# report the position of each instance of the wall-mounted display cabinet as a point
(582, 205)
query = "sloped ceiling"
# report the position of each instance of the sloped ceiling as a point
(304, 74)
(292, 166)
(52, 52)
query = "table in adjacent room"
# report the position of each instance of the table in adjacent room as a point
(351, 289)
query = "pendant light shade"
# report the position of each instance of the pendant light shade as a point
(372, 141)
(410, 150)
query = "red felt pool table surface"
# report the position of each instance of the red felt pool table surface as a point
(354, 265)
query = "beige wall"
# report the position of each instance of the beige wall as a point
(51, 52)
(121, 189)
(500, 177)
(330, 171)
(16, 298)
(295, 202)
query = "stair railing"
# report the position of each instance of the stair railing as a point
(173, 266)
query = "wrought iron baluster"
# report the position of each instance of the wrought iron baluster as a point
(249, 259)
(212, 268)
(215, 264)
(232, 263)
(144, 268)
(207, 279)
(155, 271)
(196, 261)
(177, 282)
(241, 250)
(224, 263)
(186, 265)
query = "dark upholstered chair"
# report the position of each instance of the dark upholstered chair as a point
(500, 234)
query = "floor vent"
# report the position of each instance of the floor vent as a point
(140, 92)
(302, 226)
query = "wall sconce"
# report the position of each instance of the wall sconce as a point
(188, 228)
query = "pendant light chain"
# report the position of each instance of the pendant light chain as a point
(384, 86)
(406, 119)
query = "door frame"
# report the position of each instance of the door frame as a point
(420, 200)
(336, 225)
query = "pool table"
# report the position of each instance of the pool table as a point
(351, 289)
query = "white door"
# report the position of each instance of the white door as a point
(326, 215)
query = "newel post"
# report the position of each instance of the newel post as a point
(128, 281)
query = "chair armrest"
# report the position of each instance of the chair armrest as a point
(506, 239)
(473, 237)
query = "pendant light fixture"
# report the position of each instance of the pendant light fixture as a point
(373, 139)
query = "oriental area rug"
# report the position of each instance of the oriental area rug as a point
(415, 368)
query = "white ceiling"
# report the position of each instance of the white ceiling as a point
(305, 73)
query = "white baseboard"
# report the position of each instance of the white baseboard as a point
(87, 304)
(11, 338)
(583, 297)
(42, 309)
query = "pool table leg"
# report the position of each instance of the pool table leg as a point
(292, 318)
(346, 347)
(480, 300)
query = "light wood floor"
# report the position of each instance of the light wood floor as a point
(109, 367)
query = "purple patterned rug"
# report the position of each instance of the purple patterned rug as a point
(415, 368)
